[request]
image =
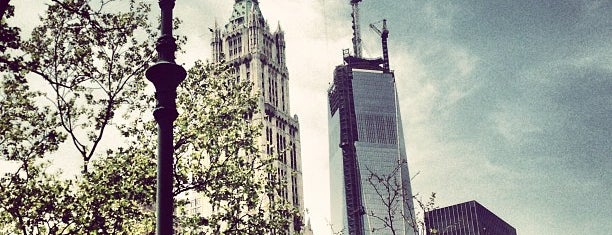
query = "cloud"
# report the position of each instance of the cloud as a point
(440, 14)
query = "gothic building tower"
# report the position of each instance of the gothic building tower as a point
(256, 53)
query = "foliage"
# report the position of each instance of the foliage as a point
(29, 202)
(35, 202)
(93, 65)
(31, 199)
(27, 131)
(424, 206)
(9, 39)
(219, 159)
(93, 62)
(118, 196)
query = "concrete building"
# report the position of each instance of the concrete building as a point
(366, 141)
(247, 44)
(468, 218)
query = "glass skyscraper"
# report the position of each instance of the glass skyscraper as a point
(370, 183)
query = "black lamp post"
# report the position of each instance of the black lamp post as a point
(165, 75)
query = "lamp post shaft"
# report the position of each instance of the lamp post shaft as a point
(165, 207)
(165, 75)
(166, 45)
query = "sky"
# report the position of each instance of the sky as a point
(508, 103)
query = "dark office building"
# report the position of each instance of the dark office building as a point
(468, 218)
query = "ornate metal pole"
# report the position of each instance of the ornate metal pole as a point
(165, 75)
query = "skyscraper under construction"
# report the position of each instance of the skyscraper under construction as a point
(369, 178)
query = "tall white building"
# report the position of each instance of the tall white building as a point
(257, 53)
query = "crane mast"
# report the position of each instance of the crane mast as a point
(356, 29)
(384, 35)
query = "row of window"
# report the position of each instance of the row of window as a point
(374, 128)
(235, 45)
(294, 190)
(282, 151)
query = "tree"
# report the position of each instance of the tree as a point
(29, 200)
(398, 211)
(390, 190)
(424, 206)
(93, 59)
(9, 39)
(217, 157)
(28, 132)
(398, 207)
(93, 62)
(220, 159)
(93, 65)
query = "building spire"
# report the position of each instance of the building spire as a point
(242, 10)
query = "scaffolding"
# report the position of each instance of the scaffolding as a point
(341, 101)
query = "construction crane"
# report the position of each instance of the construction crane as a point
(356, 30)
(384, 34)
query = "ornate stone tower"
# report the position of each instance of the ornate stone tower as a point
(256, 53)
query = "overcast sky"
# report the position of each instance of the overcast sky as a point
(505, 102)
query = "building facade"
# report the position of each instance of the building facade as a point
(257, 53)
(468, 218)
(369, 178)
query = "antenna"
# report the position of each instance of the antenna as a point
(384, 35)
(356, 31)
